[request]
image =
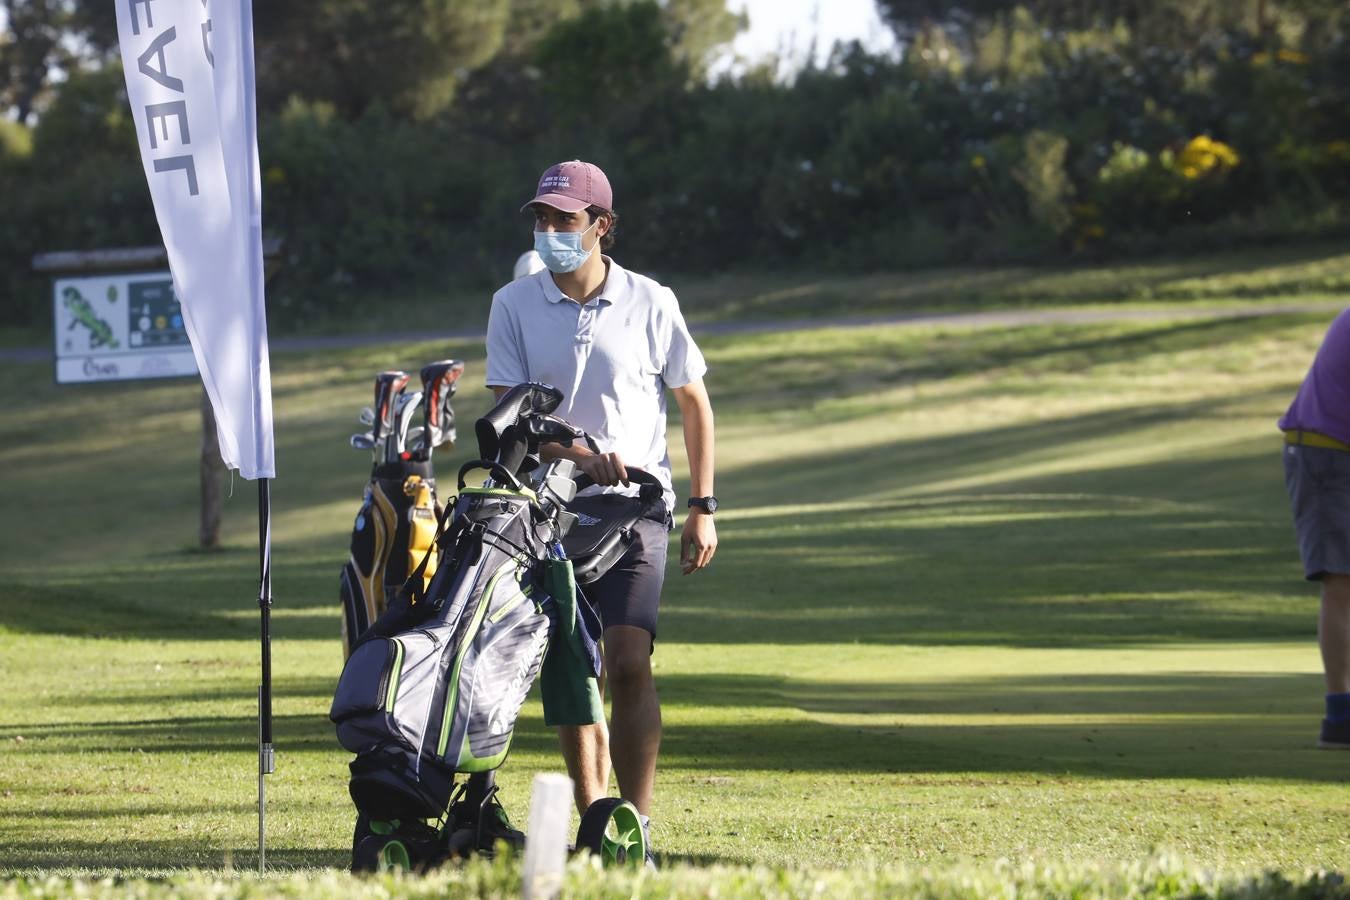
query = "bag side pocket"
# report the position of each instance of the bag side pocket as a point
(369, 681)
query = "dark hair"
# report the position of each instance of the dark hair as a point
(596, 212)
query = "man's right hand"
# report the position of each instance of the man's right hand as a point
(604, 468)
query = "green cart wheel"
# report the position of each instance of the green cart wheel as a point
(612, 830)
(379, 853)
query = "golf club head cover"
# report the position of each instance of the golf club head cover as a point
(439, 383)
(548, 429)
(496, 431)
(388, 385)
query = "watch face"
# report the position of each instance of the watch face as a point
(705, 503)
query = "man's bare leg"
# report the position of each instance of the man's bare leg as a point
(585, 748)
(1333, 633)
(635, 719)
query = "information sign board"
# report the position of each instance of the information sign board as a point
(119, 328)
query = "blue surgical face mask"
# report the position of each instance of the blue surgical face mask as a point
(561, 251)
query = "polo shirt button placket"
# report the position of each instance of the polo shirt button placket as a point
(585, 324)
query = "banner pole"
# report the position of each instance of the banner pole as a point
(266, 756)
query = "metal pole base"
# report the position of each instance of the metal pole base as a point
(267, 764)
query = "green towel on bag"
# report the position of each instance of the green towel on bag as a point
(567, 686)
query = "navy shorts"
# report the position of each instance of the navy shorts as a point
(630, 592)
(1318, 480)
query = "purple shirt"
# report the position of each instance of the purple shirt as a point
(1322, 403)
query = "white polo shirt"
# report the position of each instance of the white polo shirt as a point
(612, 358)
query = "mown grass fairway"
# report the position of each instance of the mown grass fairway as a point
(1020, 593)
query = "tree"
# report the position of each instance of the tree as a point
(407, 58)
(699, 29)
(530, 20)
(1165, 24)
(30, 48)
(45, 37)
(591, 64)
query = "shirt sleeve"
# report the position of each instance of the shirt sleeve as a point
(505, 353)
(684, 361)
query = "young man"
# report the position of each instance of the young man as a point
(1317, 473)
(613, 342)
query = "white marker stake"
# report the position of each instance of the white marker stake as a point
(546, 839)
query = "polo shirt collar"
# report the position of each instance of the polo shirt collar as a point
(612, 290)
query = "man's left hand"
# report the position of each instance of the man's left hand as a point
(698, 541)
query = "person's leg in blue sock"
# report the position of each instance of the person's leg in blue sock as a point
(1333, 637)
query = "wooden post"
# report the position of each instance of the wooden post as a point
(212, 471)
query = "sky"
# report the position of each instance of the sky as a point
(787, 27)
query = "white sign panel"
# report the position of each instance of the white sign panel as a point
(120, 328)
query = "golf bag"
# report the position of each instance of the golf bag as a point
(395, 525)
(434, 687)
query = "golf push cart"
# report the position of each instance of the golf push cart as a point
(431, 690)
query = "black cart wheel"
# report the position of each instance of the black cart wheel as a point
(381, 853)
(612, 830)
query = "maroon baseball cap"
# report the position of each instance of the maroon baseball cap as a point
(573, 186)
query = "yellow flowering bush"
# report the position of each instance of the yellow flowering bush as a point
(1201, 156)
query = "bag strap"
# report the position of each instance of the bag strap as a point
(415, 585)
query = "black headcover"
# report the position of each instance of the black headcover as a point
(499, 439)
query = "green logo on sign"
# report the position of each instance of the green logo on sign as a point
(100, 332)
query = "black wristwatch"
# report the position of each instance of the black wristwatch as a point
(707, 504)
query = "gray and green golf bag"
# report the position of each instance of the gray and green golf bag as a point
(434, 687)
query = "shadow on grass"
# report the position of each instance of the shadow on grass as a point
(177, 809)
(87, 858)
(124, 860)
(1193, 725)
(173, 734)
(18, 858)
(1021, 571)
(1183, 549)
(1033, 534)
(845, 365)
(1206, 726)
(1079, 443)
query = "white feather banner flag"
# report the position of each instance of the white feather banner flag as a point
(189, 74)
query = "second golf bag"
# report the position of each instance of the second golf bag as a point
(395, 525)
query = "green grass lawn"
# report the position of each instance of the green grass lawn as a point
(985, 598)
(1304, 272)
